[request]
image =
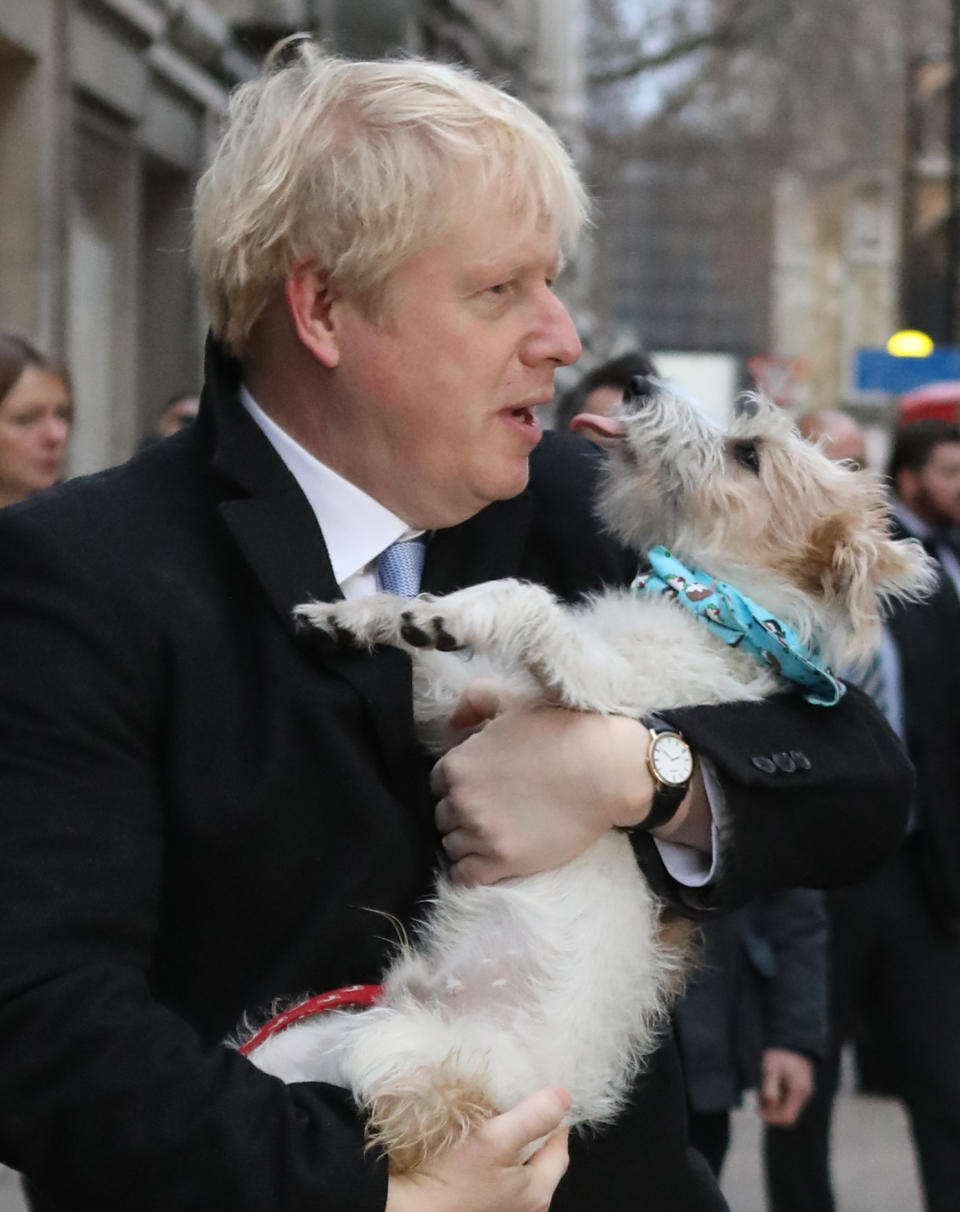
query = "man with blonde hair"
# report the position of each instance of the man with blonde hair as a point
(200, 812)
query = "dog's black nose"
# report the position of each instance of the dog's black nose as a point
(639, 388)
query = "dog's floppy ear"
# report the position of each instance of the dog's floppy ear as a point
(863, 570)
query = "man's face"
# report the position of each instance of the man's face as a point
(933, 493)
(434, 403)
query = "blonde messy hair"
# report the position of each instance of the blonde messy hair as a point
(355, 166)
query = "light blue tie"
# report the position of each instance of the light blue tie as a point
(399, 567)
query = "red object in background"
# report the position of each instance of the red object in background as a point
(941, 400)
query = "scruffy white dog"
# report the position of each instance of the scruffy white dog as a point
(564, 978)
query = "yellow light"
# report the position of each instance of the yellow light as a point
(909, 343)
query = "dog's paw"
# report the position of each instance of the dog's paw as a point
(495, 614)
(416, 1118)
(361, 623)
(422, 627)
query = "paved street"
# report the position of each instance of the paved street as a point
(874, 1164)
(10, 1200)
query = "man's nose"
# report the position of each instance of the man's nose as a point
(554, 338)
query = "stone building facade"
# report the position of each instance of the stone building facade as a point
(107, 112)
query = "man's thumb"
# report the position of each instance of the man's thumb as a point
(481, 701)
(529, 1121)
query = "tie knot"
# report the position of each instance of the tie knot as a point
(399, 567)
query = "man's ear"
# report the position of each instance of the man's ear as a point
(311, 294)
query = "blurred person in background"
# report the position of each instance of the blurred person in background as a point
(924, 469)
(179, 411)
(602, 388)
(895, 937)
(754, 1015)
(840, 435)
(36, 415)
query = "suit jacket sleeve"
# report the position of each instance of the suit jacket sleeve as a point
(102, 1082)
(811, 796)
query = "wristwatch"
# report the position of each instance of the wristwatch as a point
(670, 762)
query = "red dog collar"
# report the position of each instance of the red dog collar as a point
(349, 995)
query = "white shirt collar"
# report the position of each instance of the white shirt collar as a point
(356, 528)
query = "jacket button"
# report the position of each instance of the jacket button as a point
(785, 762)
(767, 765)
(801, 759)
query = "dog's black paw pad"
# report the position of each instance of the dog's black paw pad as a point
(415, 635)
(317, 639)
(442, 638)
(344, 637)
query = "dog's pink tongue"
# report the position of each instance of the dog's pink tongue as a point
(598, 426)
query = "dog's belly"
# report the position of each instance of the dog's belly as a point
(552, 979)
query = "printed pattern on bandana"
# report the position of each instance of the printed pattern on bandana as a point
(738, 620)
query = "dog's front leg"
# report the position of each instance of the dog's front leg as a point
(521, 629)
(506, 621)
(359, 623)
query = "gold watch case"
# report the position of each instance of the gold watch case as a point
(670, 759)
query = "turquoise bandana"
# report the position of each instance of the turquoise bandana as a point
(737, 620)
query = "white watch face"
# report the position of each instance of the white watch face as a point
(671, 759)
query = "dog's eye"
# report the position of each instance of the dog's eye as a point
(747, 455)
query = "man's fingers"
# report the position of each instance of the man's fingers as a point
(457, 845)
(439, 783)
(772, 1091)
(481, 701)
(474, 869)
(549, 1164)
(538, 1115)
(793, 1104)
(445, 815)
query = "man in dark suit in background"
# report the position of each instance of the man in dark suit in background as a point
(200, 812)
(925, 471)
(754, 1015)
(895, 937)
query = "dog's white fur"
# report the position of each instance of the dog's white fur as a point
(565, 977)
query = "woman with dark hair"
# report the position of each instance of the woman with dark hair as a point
(36, 415)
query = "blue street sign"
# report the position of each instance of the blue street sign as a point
(876, 370)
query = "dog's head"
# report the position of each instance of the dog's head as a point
(758, 506)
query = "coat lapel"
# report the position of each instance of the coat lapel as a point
(264, 510)
(276, 532)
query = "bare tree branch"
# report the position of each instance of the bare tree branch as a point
(733, 32)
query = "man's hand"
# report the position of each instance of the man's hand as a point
(486, 1173)
(538, 785)
(785, 1088)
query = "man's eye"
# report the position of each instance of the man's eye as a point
(747, 455)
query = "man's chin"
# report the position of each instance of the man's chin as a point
(511, 485)
(451, 513)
